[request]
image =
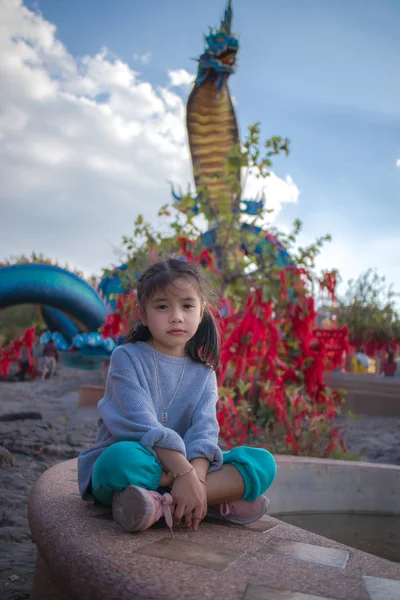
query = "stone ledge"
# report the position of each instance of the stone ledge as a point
(320, 484)
(369, 395)
(90, 395)
(83, 553)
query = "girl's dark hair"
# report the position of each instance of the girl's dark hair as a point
(204, 346)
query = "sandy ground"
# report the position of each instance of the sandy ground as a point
(36, 444)
(63, 431)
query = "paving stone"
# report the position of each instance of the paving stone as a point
(320, 555)
(191, 553)
(263, 524)
(382, 589)
(261, 592)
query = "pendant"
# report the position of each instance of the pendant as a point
(164, 417)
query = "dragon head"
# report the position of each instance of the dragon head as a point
(219, 58)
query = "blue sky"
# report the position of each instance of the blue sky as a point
(323, 73)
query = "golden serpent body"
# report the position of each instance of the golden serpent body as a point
(213, 131)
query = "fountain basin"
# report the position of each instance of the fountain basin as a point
(354, 503)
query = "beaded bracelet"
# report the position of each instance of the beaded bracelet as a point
(188, 470)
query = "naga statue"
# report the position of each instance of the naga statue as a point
(213, 133)
(210, 116)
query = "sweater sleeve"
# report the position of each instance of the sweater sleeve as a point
(201, 439)
(128, 410)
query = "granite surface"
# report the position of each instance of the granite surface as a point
(85, 554)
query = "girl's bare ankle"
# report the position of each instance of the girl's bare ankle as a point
(166, 479)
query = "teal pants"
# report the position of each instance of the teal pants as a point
(130, 463)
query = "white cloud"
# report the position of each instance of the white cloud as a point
(180, 78)
(398, 163)
(143, 58)
(353, 256)
(274, 191)
(85, 146)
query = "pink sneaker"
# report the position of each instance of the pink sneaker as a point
(240, 511)
(136, 509)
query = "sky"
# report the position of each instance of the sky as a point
(92, 110)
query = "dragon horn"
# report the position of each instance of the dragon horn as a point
(227, 22)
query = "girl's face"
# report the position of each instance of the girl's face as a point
(173, 316)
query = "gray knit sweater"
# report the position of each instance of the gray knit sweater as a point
(131, 408)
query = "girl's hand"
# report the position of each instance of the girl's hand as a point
(190, 500)
(195, 521)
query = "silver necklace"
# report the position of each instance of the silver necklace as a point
(164, 416)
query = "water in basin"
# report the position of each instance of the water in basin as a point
(376, 534)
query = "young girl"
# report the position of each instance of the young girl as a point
(158, 427)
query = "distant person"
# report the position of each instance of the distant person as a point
(50, 350)
(361, 362)
(390, 365)
(23, 364)
(49, 360)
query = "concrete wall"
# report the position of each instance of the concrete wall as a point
(317, 485)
